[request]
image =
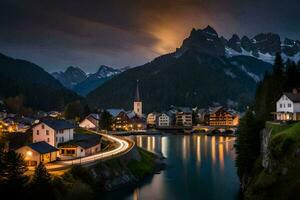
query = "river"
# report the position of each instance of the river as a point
(199, 167)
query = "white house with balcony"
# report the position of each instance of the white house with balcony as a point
(163, 120)
(288, 107)
(53, 131)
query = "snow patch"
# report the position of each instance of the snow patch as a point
(252, 75)
(229, 73)
(266, 57)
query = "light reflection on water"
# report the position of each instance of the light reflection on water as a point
(199, 167)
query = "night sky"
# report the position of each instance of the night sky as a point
(87, 33)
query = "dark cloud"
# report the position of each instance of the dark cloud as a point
(59, 33)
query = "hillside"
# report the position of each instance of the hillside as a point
(38, 88)
(194, 79)
(199, 73)
(281, 180)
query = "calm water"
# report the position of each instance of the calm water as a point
(200, 167)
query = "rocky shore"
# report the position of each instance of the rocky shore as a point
(126, 170)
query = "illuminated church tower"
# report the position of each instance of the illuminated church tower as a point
(137, 104)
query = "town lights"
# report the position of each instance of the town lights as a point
(29, 153)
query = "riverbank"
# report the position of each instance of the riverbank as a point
(90, 182)
(127, 170)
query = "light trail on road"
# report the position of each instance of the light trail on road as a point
(123, 146)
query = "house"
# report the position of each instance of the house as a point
(82, 145)
(184, 117)
(163, 120)
(151, 119)
(137, 123)
(288, 106)
(220, 116)
(121, 122)
(53, 131)
(35, 153)
(91, 121)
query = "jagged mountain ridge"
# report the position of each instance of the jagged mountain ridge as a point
(93, 81)
(76, 79)
(199, 73)
(262, 46)
(71, 77)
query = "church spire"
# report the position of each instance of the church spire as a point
(137, 92)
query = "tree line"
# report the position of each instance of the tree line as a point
(284, 77)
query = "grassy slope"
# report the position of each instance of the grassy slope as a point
(283, 182)
(143, 167)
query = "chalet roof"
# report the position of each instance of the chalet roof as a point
(114, 111)
(42, 147)
(137, 119)
(58, 124)
(130, 114)
(214, 109)
(292, 96)
(183, 109)
(94, 115)
(83, 140)
(163, 113)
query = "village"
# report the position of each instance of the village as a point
(53, 138)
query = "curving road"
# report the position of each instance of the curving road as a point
(123, 146)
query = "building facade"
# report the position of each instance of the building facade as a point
(121, 122)
(38, 152)
(82, 145)
(151, 119)
(53, 131)
(288, 107)
(220, 116)
(184, 117)
(90, 122)
(163, 120)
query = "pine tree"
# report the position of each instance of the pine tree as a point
(292, 76)
(248, 144)
(12, 173)
(41, 184)
(41, 176)
(105, 120)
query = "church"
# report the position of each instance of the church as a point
(138, 120)
(132, 119)
(137, 104)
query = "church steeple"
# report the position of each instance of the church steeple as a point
(137, 92)
(137, 104)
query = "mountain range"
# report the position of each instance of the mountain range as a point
(36, 87)
(205, 70)
(76, 79)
